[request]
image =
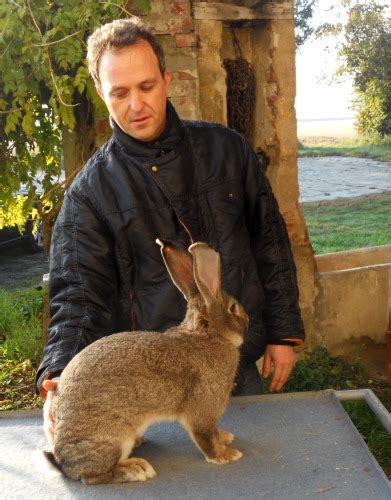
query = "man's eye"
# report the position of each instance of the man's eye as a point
(146, 88)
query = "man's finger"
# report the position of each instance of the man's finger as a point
(282, 375)
(277, 376)
(49, 385)
(266, 365)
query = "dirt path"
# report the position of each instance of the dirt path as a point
(334, 177)
(20, 270)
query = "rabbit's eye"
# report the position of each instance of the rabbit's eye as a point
(233, 308)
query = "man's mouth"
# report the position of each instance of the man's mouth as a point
(140, 120)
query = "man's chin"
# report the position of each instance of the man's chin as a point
(145, 135)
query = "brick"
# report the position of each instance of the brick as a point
(185, 40)
(180, 8)
(180, 62)
(170, 25)
(185, 75)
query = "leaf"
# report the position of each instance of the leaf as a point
(336, 370)
(28, 123)
(80, 78)
(12, 121)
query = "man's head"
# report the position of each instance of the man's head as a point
(128, 68)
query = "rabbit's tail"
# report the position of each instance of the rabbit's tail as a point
(52, 460)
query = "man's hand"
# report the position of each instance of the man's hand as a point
(282, 358)
(48, 388)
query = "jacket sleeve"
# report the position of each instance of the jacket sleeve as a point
(272, 251)
(82, 284)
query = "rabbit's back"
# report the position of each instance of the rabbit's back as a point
(143, 372)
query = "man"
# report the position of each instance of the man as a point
(159, 177)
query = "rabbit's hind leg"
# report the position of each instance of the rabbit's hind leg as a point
(133, 469)
(128, 470)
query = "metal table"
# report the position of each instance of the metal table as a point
(295, 446)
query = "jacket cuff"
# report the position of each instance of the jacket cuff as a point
(290, 342)
(48, 375)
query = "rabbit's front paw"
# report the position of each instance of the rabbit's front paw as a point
(226, 456)
(225, 437)
(139, 441)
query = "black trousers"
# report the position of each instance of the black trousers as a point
(248, 380)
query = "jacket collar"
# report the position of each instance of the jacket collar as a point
(172, 134)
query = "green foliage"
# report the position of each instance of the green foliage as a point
(366, 55)
(318, 370)
(142, 7)
(345, 224)
(17, 384)
(21, 325)
(44, 85)
(21, 347)
(303, 12)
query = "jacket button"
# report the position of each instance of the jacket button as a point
(154, 168)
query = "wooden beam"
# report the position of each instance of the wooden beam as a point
(217, 11)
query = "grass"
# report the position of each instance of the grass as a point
(21, 347)
(374, 148)
(349, 223)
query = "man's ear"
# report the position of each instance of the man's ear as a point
(99, 91)
(167, 78)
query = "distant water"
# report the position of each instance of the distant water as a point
(326, 127)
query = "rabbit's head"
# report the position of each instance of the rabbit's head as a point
(197, 274)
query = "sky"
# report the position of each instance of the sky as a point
(317, 97)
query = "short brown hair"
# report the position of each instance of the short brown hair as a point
(117, 34)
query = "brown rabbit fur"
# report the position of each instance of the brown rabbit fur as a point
(114, 389)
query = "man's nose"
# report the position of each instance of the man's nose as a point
(136, 101)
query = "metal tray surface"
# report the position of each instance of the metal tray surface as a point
(295, 446)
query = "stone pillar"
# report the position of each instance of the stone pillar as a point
(212, 78)
(269, 45)
(273, 49)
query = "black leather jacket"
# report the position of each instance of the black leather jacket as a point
(199, 179)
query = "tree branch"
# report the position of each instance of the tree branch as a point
(57, 41)
(120, 7)
(33, 18)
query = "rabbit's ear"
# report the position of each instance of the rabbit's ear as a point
(179, 265)
(207, 271)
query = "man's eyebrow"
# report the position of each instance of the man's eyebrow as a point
(115, 89)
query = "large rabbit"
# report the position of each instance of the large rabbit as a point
(114, 389)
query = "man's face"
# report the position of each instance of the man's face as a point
(134, 90)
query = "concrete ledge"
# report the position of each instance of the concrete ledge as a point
(354, 295)
(350, 259)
